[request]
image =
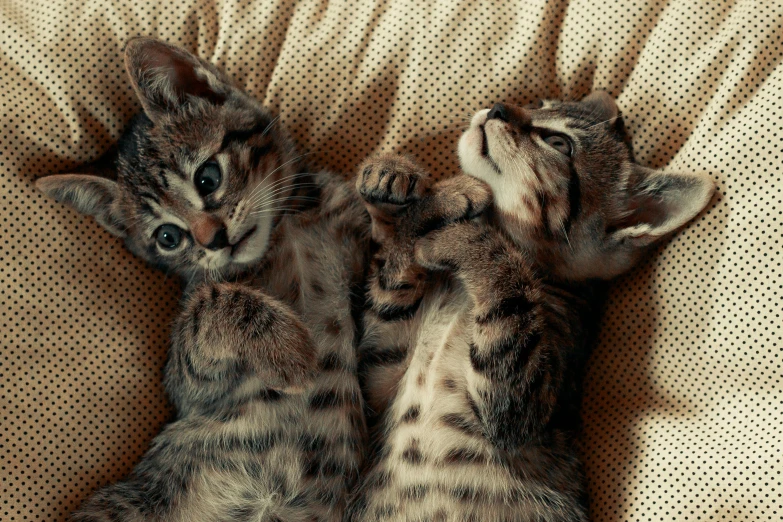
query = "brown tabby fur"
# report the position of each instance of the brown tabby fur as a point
(476, 331)
(262, 367)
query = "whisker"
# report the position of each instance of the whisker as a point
(274, 211)
(261, 185)
(257, 194)
(278, 185)
(292, 186)
(283, 200)
(190, 281)
(280, 167)
(281, 180)
(602, 122)
(566, 236)
(286, 178)
(264, 196)
(271, 123)
(291, 161)
(277, 196)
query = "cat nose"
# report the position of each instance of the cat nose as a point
(219, 240)
(498, 112)
(209, 232)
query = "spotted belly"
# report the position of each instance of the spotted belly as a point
(435, 463)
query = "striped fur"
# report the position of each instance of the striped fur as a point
(477, 326)
(262, 369)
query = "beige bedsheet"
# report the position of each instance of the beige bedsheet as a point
(683, 407)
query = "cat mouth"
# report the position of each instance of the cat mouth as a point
(236, 247)
(485, 150)
(484, 144)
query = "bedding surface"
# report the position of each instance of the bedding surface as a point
(683, 405)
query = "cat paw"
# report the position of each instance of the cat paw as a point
(448, 248)
(391, 179)
(460, 197)
(234, 326)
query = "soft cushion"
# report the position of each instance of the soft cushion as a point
(683, 415)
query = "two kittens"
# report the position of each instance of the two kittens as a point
(471, 338)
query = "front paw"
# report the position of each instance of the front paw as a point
(391, 179)
(450, 247)
(461, 197)
(234, 326)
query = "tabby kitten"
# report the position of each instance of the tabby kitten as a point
(262, 367)
(477, 331)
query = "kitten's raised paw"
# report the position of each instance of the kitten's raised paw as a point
(460, 197)
(229, 325)
(391, 179)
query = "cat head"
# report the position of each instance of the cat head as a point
(566, 186)
(200, 174)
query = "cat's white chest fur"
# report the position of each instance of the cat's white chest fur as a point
(441, 346)
(435, 383)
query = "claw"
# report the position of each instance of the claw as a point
(390, 179)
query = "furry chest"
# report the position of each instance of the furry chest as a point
(312, 272)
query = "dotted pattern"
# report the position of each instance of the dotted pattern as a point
(683, 401)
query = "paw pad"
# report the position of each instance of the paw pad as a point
(391, 179)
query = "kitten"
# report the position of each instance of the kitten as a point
(262, 367)
(476, 332)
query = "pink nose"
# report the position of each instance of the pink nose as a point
(209, 232)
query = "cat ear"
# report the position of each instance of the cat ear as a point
(659, 203)
(602, 105)
(91, 195)
(166, 77)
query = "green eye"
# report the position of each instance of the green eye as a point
(208, 178)
(168, 236)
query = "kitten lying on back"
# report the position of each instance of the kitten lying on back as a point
(262, 368)
(476, 333)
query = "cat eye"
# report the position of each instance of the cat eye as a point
(168, 236)
(559, 143)
(208, 178)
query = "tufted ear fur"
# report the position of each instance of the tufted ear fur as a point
(91, 195)
(658, 203)
(166, 77)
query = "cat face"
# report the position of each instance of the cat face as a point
(202, 173)
(566, 186)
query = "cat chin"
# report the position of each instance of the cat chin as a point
(477, 166)
(506, 191)
(470, 150)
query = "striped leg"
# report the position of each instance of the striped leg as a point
(403, 205)
(392, 188)
(517, 338)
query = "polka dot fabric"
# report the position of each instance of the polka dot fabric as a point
(684, 400)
